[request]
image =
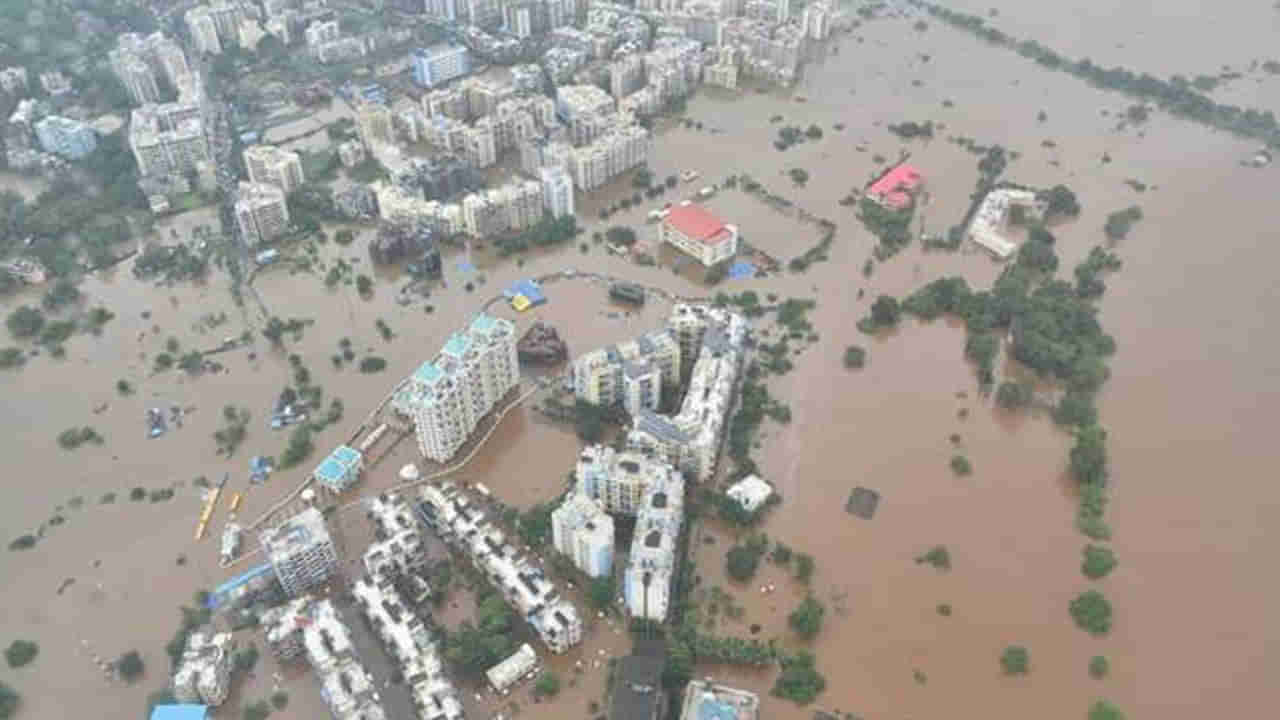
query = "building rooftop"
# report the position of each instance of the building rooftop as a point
(696, 222)
(457, 345)
(180, 712)
(705, 701)
(427, 373)
(895, 187)
(638, 688)
(299, 532)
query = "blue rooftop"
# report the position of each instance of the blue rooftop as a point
(483, 322)
(331, 470)
(345, 455)
(180, 712)
(716, 710)
(427, 373)
(457, 345)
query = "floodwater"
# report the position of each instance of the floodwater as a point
(1192, 311)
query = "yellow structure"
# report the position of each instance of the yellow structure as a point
(520, 303)
(207, 512)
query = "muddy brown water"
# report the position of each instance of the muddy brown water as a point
(1187, 408)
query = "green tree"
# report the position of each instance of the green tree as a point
(588, 421)
(799, 176)
(1092, 612)
(961, 466)
(344, 237)
(9, 701)
(1089, 456)
(601, 592)
(259, 710)
(804, 567)
(1059, 201)
(1104, 710)
(130, 666)
(372, 364)
(1099, 667)
(1015, 660)
(547, 684)
(741, 562)
(806, 620)
(855, 357)
(1013, 395)
(1098, 561)
(937, 556)
(643, 178)
(799, 680)
(20, 652)
(1075, 408)
(885, 311)
(534, 526)
(25, 322)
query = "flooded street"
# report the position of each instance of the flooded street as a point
(1189, 404)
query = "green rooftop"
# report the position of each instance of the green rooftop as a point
(427, 373)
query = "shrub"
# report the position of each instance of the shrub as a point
(257, 711)
(1013, 395)
(1015, 660)
(937, 556)
(23, 542)
(372, 364)
(799, 680)
(1098, 562)
(25, 322)
(742, 562)
(547, 684)
(1092, 612)
(1099, 667)
(20, 652)
(279, 699)
(806, 620)
(9, 701)
(804, 567)
(364, 286)
(1103, 710)
(944, 609)
(245, 659)
(961, 466)
(855, 357)
(12, 357)
(130, 666)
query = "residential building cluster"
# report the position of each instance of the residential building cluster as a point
(313, 628)
(525, 588)
(631, 374)
(518, 205)
(439, 64)
(224, 23)
(389, 560)
(203, 673)
(140, 63)
(169, 143)
(447, 396)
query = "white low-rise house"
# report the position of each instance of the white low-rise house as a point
(751, 492)
(987, 228)
(524, 586)
(508, 672)
(204, 672)
(695, 231)
(582, 531)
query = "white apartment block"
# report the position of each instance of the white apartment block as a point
(652, 565)
(203, 675)
(448, 396)
(582, 531)
(705, 700)
(398, 549)
(619, 480)
(690, 440)
(695, 231)
(439, 64)
(815, 20)
(319, 32)
(480, 144)
(601, 376)
(301, 552)
(168, 139)
(262, 213)
(557, 191)
(311, 627)
(373, 123)
(575, 101)
(204, 31)
(610, 155)
(523, 586)
(271, 165)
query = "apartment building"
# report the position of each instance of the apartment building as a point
(373, 124)
(652, 565)
(301, 552)
(537, 153)
(480, 144)
(398, 548)
(271, 165)
(613, 153)
(262, 213)
(582, 531)
(68, 138)
(439, 64)
(601, 377)
(557, 191)
(203, 675)
(340, 470)
(576, 104)
(697, 232)
(13, 80)
(619, 480)
(168, 139)
(204, 30)
(447, 396)
(523, 585)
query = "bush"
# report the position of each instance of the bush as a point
(1015, 660)
(344, 237)
(23, 542)
(25, 322)
(1013, 395)
(741, 563)
(961, 466)
(1098, 561)
(20, 652)
(855, 357)
(372, 364)
(806, 620)
(279, 699)
(257, 711)
(547, 684)
(799, 176)
(621, 235)
(130, 666)
(937, 556)
(72, 438)
(799, 680)
(364, 286)
(1099, 667)
(1103, 710)
(804, 567)
(9, 701)
(245, 659)
(1119, 223)
(1092, 612)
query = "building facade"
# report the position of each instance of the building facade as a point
(582, 531)
(652, 565)
(697, 232)
(439, 64)
(600, 376)
(262, 213)
(557, 191)
(271, 165)
(301, 552)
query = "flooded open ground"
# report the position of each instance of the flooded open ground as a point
(1189, 407)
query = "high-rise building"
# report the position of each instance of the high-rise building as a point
(168, 139)
(448, 396)
(274, 166)
(440, 63)
(262, 213)
(204, 31)
(618, 480)
(374, 125)
(66, 137)
(203, 675)
(695, 231)
(480, 144)
(301, 552)
(651, 567)
(557, 191)
(599, 376)
(582, 531)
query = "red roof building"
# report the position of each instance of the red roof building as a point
(896, 188)
(696, 231)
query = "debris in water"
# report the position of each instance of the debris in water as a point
(863, 503)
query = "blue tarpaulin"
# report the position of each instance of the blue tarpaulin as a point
(530, 289)
(742, 269)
